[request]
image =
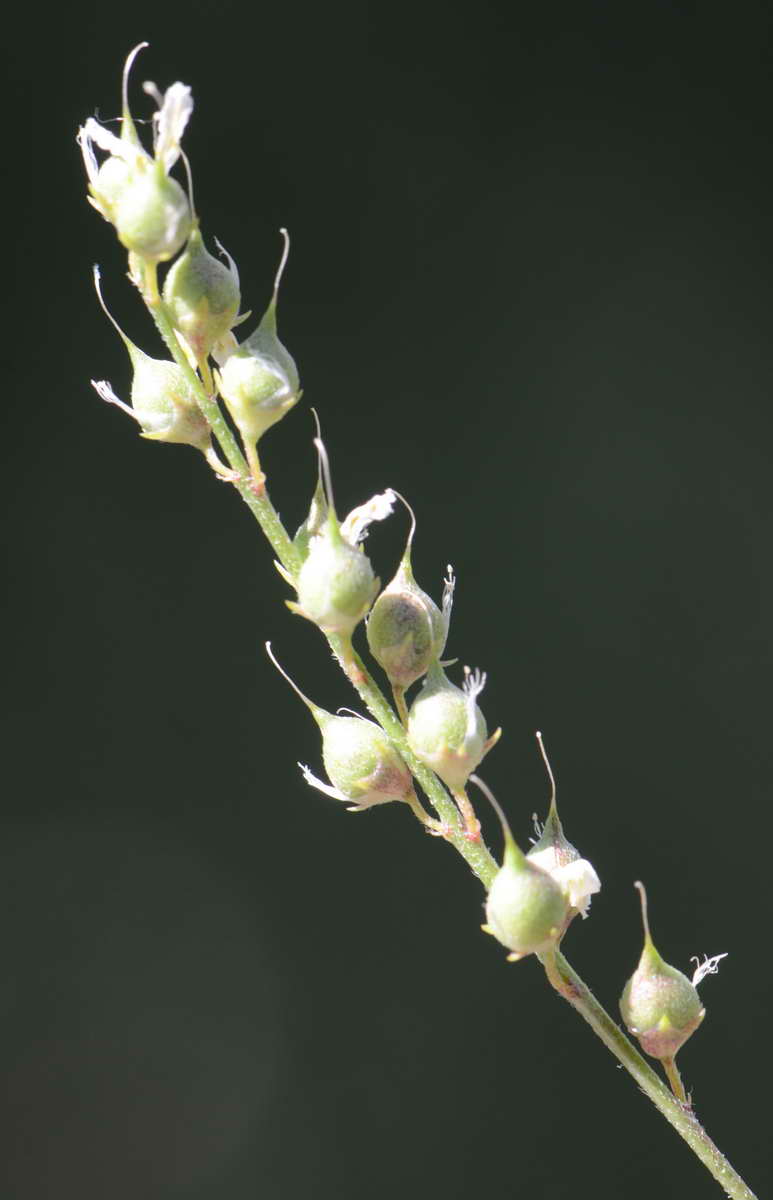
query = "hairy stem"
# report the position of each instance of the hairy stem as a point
(568, 984)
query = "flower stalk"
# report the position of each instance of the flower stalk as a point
(442, 737)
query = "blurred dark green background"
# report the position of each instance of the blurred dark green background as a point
(530, 287)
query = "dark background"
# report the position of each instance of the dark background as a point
(530, 287)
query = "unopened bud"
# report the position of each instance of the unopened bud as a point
(446, 728)
(526, 910)
(362, 765)
(406, 630)
(202, 295)
(659, 1004)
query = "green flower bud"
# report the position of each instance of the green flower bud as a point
(258, 380)
(132, 190)
(362, 765)
(163, 403)
(336, 585)
(406, 630)
(660, 1005)
(446, 729)
(574, 874)
(526, 910)
(202, 295)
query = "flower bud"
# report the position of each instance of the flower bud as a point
(259, 380)
(362, 765)
(526, 910)
(406, 630)
(163, 403)
(202, 295)
(133, 190)
(659, 1004)
(336, 585)
(446, 729)
(574, 874)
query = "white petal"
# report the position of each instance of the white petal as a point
(87, 150)
(474, 683)
(171, 121)
(106, 140)
(578, 881)
(449, 585)
(320, 786)
(355, 527)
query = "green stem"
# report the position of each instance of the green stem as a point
(568, 984)
(258, 502)
(473, 852)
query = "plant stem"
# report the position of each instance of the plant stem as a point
(568, 984)
(258, 502)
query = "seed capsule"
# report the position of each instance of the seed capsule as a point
(659, 1004)
(163, 403)
(406, 630)
(336, 585)
(526, 910)
(202, 295)
(446, 728)
(362, 765)
(258, 379)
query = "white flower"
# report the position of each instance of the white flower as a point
(577, 879)
(132, 189)
(354, 528)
